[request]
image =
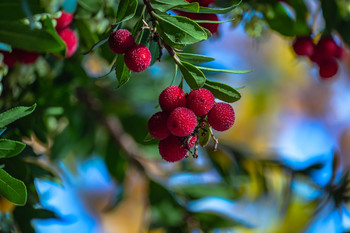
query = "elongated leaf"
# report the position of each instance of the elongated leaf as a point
(280, 21)
(199, 191)
(219, 10)
(14, 114)
(165, 5)
(12, 189)
(88, 38)
(10, 148)
(204, 136)
(126, 10)
(224, 71)
(122, 71)
(211, 21)
(61, 49)
(193, 76)
(104, 38)
(13, 9)
(178, 31)
(194, 58)
(222, 91)
(21, 36)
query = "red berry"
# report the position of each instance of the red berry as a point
(340, 52)
(64, 20)
(182, 121)
(221, 117)
(157, 125)
(171, 149)
(120, 41)
(25, 57)
(171, 98)
(191, 142)
(202, 2)
(303, 46)
(327, 46)
(328, 67)
(9, 58)
(200, 101)
(137, 58)
(316, 57)
(70, 39)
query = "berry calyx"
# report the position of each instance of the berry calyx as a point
(120, 41)
(64, 20)
(327, 46)
(303, 46)
(70, 39)
(200, 101)
(328, 67)
(182, 121)
(25, 57)
(221, 117)
(171, 149)
(157, 125)
(137, 58)
(172, 97)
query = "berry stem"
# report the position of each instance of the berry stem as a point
(216, 141)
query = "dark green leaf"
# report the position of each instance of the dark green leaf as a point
(13, 9)
(122, 71)
(178, 31)
(10, 148)
(104, 38)
(90, 5)
(14, 114)
(330, 13)
(154, 49)
(219, 10)
(87, 37)
(12, 189)
(193, 76)
(222, 91)
(148, 138)
(61, 49)
(204, 136)
(126, 10)
(207, 190)
(194, 58)
(210, 221)
(280, 21)
(343, 29)
(165, 5)
(224, 71)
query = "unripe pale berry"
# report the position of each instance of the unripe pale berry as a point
(137, 58)
(25, 57)
(171, 98)
(64, 20)
(182, 121)
(70, 39)
(157, 125)
(303, 46)
(200, 101)
(120, 41)
(221, 117)
(328, 67)
(9, 59)
(171, 149)
(327, 46)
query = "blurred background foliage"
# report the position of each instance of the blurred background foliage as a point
(283, 167)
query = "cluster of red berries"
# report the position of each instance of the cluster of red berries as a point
(325, 53)
(212, 27)
(19, 55)
(137, 57)
(178, 125)
(67, 35)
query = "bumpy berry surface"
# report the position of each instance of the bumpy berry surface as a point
(171, 149)
(221, 117)
(9, 58)
(64, 20)
(182, 121)
(70, 39)
(303, 46)
(171, 98)
(328, 67)
(157, 125)
(25, 57)
(200, 101)
(137, 58)
(120, 41)
(327, 46)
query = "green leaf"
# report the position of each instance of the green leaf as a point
(126, 10)
(13, 9)
(148, 138)
(343, 29)
(90, 5)
(194, 58)
(279, 20)
(9, 148)
(22, 36)
(12, 189)
(48, 25)
(222, 91)
(87, 37)
(209, 221)
(178, 31)
(122, 71)
(219, 10)
(193, 76)
(211, 21)
(14, 114)
(200, 191)
(103, 39)
(330, 13)
(204, 136)
(224, 71)
(154, 49)
(165, 5)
